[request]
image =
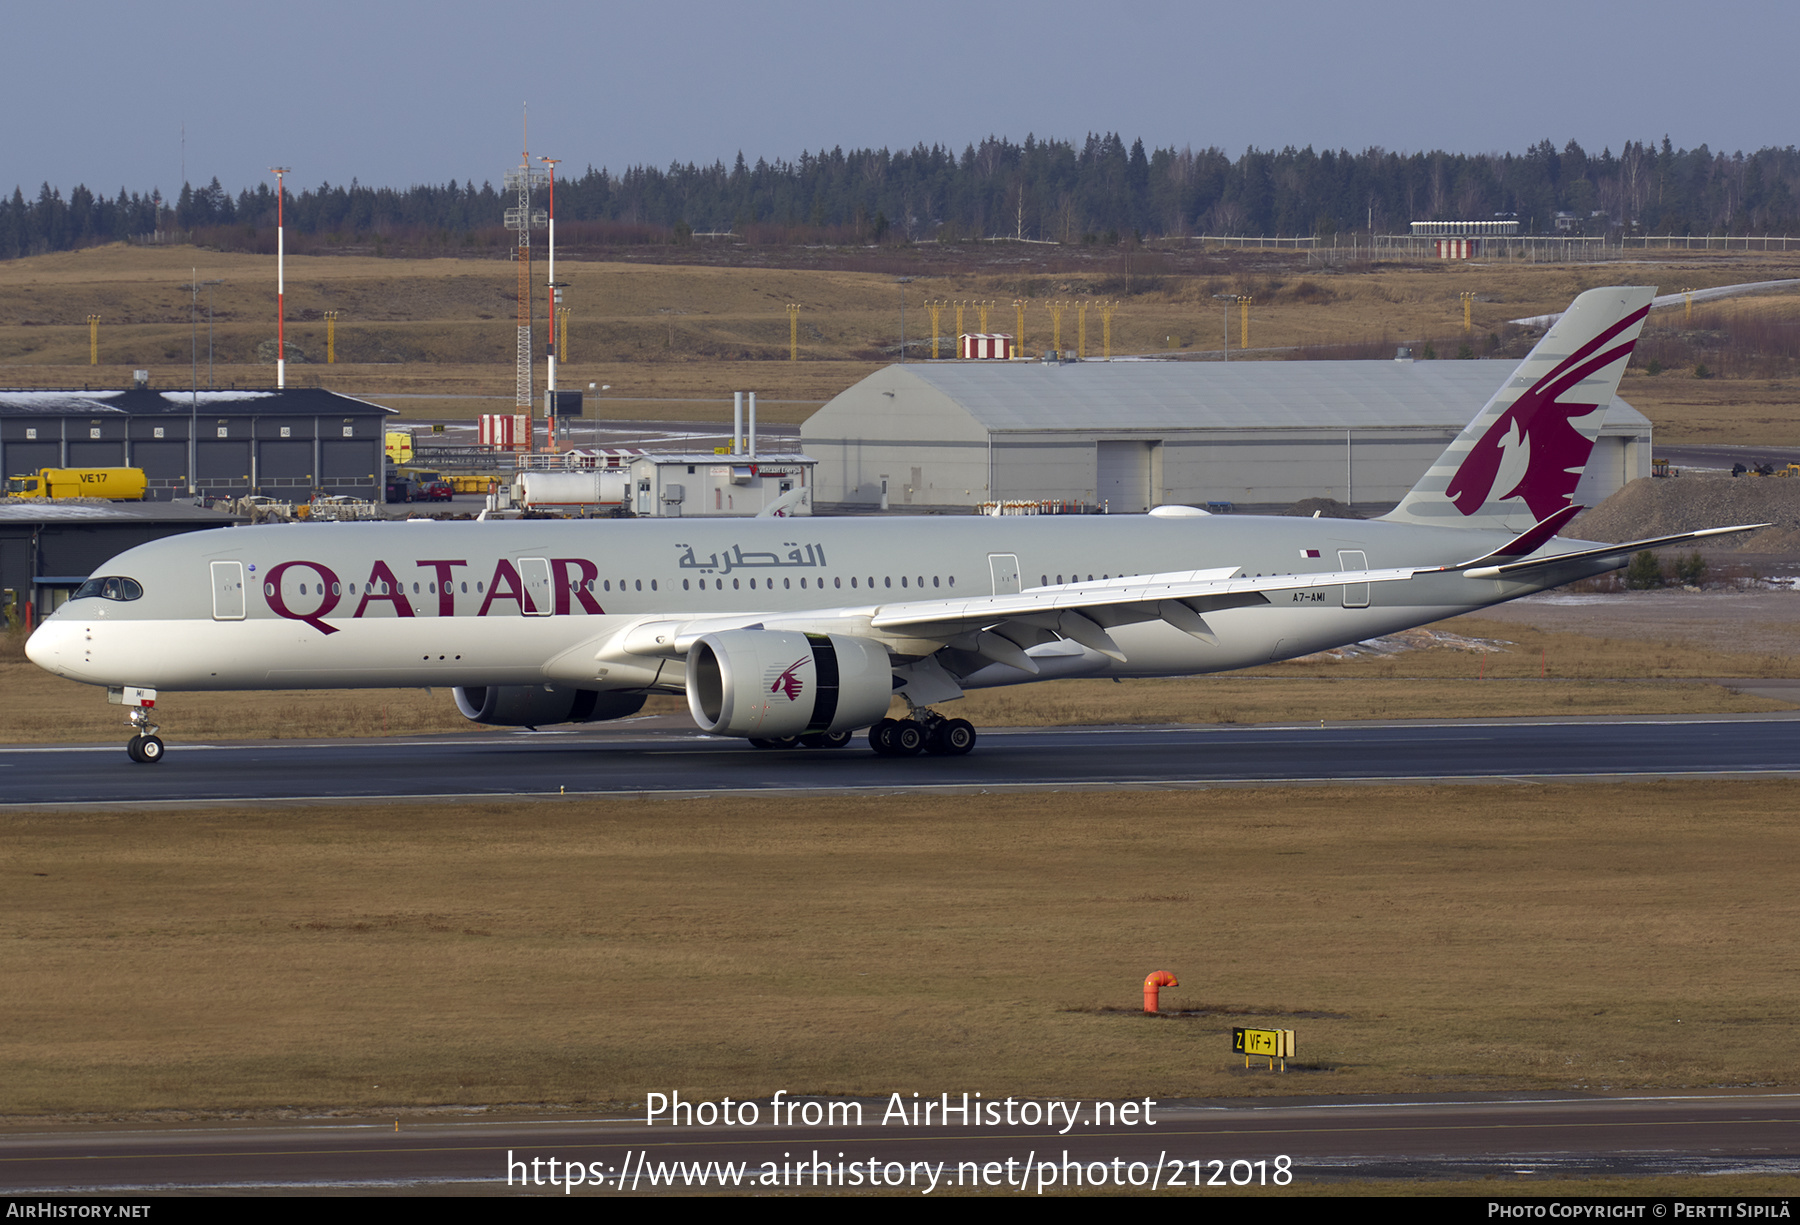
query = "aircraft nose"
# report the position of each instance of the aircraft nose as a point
(54, 647)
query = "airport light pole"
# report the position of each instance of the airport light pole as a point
(903, 282)
(194, 359)
(280, 278)
(1227, 299)
(209, 330)
(554, 296)
(592, 388)
(194, 330)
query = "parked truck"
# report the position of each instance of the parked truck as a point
(113, 484)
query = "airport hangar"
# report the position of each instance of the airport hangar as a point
(287, 444)
(1129, 435)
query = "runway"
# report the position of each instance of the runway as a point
(651, 757)
(1175, 1147)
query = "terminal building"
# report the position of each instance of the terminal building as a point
(1125, 436)
(287, 444)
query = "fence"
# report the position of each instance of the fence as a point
(1529, 248)
(1710, 242)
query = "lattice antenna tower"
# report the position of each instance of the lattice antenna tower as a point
(522, 217)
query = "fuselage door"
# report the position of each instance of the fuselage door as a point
(1005, 569)
(538, 598)
(1356, 595)
(228, 590)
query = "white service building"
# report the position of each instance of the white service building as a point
(1129, 435)
(706, 485)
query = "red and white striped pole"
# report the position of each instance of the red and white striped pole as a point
(550, 310)
(280, 279)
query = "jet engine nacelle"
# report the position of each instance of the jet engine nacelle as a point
(778, 683)
(541, 705)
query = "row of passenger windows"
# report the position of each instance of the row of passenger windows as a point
(122, 585)
(382, 588)
(937, 580)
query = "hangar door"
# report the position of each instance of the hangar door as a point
(350, 463)
(97, 454)
(164, 463)
(24, 457)
(1122, 475)
(224, 464)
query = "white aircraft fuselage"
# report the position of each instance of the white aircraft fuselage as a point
(421, 603)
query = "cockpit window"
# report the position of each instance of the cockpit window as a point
(110, 587)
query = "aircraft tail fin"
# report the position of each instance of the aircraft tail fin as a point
(1519, 461)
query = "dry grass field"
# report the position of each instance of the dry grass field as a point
(1418, 939)
(674, 341)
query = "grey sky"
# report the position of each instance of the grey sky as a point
(396, 94)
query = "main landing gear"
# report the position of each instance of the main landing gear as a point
(145, 747)
(925, 732)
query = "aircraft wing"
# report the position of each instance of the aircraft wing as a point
(1181, 599)
(1000, 627)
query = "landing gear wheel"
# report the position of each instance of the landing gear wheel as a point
(825, 740)
(879, 735)
(907, 738)
(146, 750)
(951, 738)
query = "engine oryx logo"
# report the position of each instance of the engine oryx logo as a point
(1534, 452)
(785, 680)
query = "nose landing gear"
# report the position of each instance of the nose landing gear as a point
(145, 747)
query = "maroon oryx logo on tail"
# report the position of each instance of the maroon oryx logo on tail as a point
(1534, 439)
(787, 682)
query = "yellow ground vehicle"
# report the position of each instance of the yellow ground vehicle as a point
(113, 484)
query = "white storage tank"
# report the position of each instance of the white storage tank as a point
(598, 488)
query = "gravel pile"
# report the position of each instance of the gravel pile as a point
(1662, 507)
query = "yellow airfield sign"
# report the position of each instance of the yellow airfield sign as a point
(1270, 1044)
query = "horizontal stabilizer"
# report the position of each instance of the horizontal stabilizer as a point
(1511, 569)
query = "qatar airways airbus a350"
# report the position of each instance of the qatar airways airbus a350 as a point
(803, 631)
